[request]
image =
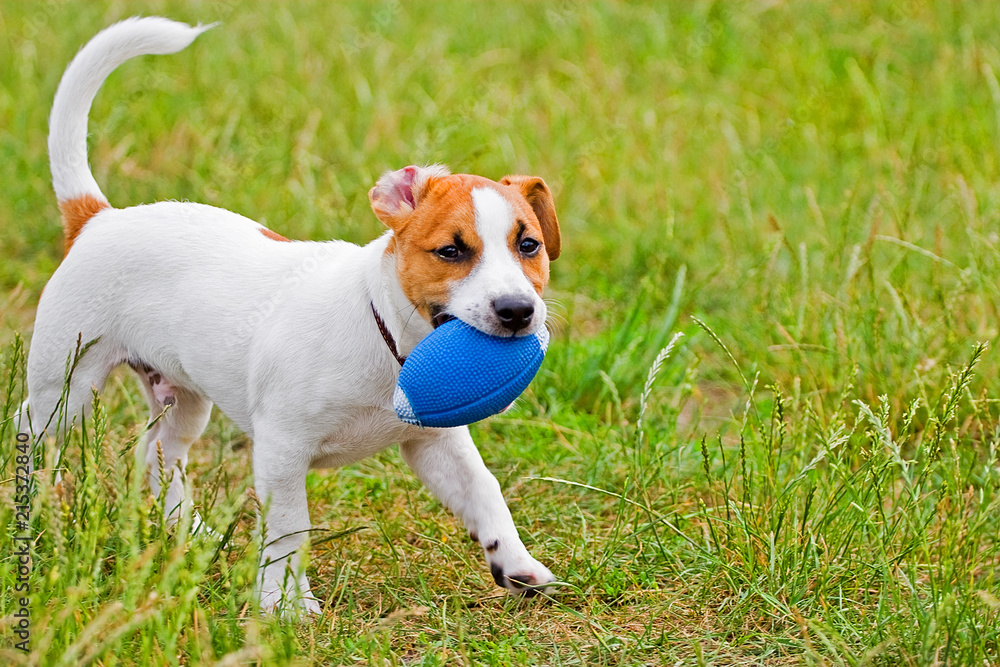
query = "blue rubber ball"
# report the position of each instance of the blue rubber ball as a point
(458, 375)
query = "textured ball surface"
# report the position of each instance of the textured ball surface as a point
(458, 375)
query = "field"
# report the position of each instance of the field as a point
(808, 193)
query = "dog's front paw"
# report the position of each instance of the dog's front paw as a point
(275, 600)
(517, 572)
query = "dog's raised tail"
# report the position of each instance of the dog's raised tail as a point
(79, 196)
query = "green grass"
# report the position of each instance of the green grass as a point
(808, 191)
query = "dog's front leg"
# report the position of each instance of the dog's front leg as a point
(280, 483)
(449, 464)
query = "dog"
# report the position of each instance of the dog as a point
(298, 343)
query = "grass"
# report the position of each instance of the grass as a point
(807, 191)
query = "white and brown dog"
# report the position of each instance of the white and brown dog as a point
(299, 343)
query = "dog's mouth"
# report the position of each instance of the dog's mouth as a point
(439, 317)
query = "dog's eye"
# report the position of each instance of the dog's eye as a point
(449, 252)
(528, 246)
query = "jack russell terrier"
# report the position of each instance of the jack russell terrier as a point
(299, 343)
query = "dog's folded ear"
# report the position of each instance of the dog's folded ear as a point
(397, 193)
(539, 197)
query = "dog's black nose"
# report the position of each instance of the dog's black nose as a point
(514, 312)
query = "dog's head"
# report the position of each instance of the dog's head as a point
(470, 248)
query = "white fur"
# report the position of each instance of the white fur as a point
(133, 37)
(498, 273)
(279, 335)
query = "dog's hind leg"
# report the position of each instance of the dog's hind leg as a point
(177, 416)
(53, 404)
(61, 386)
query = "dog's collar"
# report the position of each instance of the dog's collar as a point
(386, 336)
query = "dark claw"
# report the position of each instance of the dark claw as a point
(522, 580)
(497, 573)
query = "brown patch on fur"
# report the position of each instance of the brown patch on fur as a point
(445, 215)
(76, 213)
(526, 225)
(274, 236)
(537, 194)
